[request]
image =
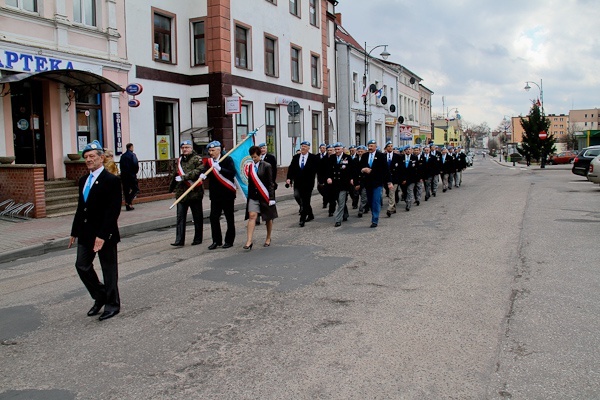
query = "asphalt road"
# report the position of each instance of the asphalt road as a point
(489, 291)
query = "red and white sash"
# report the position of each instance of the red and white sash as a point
(224, 181)
(252, 174)
(181, 172)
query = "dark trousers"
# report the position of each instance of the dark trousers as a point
(106, 293)
(302, 197)
(216, 208)
(182, 209)
(130, 189)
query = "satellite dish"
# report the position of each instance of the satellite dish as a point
(372, 88)
(412, 81)
(383, 100)
(293, 108)
(392, 108)
(401, 119)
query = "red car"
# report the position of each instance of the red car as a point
(566, 157)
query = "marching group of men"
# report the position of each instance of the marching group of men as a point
(370, 176)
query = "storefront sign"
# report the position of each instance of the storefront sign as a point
(133, 89)
(118, 133)
(233, 105)
(283, 100)
(24, 62)
(133, 103)
(405, 133)
(390, 121)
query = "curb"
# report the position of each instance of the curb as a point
(125, 231)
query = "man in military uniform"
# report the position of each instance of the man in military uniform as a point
(189, 167)
(446, 168)
(408, 177)
(461, 165)
(301, 175)
(374, 174)
(420, 164)
(340, 181)
(222, 193)
(393, 162)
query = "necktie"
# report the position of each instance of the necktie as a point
(339, 159)
(370, 160)
(302, 163)
(256, 167)
(407, 161)
(389, 158)
(87, 187)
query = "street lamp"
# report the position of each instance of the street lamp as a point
(457, 116)
(541, 87)
(384, 54)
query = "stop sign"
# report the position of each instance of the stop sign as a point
(543, 135)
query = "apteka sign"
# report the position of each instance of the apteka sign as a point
(24, 62)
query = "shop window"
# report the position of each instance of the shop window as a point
(84, 12)
(199, 43)
(27, 5)
(243, 122)
(164, 38)
(271, 129)
(88, 118)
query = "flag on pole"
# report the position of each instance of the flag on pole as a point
(366, 92)
(379, 92)
(240, 157)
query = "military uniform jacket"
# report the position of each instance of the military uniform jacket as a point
(394, 166)
(322, 169)
(216, 189)
(380, 174)
(421, 167)
(431, 165)
(303, 178)
(341, 173)
(447, 164)
(192, 167)
(461, 161)
(407, 172)
(98, 216)
(270, 158)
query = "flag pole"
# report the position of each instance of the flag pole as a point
(199, 180)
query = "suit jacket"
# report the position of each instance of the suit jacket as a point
(303, 179)
(98, 216)
(431, 166)
(270, 158)
(447, 165)
(408, 173)
(340, 173)
(380, 173)
(129, 165)
(216, 189)
(394, 166)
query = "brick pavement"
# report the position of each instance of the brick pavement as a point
(38, 236)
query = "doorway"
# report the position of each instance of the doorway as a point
(28, 123)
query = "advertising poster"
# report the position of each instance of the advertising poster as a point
(163, 146)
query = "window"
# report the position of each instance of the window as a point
(313, 15)
(271, 56)
(315, 79)
(271, 129)
(163, 38)
(295, 7)
(242, 123)
(164, 126)
(315, 131)
(272, 1)
(28, 5)
(89, 116)
(84, 12)
(242, 36)
(355, 86)
(296, 65)
(199, 43)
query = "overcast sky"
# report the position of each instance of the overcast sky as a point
(479, 53)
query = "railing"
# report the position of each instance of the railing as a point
(154, 176)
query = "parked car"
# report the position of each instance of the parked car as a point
(594, 170)
(566, 157)
(581, 164)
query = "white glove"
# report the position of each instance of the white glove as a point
(203, 177)
(178, 178)
(271, 202)
(216, 165)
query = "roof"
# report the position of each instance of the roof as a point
(71, 78)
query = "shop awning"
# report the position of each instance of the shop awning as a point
(200, 135)
(71, 78)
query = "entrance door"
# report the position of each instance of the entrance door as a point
(28, 123)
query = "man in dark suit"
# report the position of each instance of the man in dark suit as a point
(301, 175)
(129, 168)
(270, 158)
(96, 231)
(340, 181)
(393, 162)
(408, 176)
(430, 168)
(222, 191)
(446, 168)
(374, 173)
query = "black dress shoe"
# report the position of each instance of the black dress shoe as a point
(196, 242)
(95, 310)
(128, 207)
(433, 194)
(108, 314)
(443, 191)
(418, 203)
(360, 215)
(331, 214)
(407, 208)
(213, 246)
(345, 219)
(177, 244)
(227, 245)
(301, 223)
(338, 224)
(310, 218)
(388, 213)
(373, 225)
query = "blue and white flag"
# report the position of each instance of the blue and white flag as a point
(240, 157)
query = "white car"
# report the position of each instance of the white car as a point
(594, 170)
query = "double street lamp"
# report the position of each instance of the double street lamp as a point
(542, 135)
(384, 54)
(541, 87)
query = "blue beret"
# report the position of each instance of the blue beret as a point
(351, 147)
(361, 147)
(459, 147)
(328, 146)
(305, 143)
(186, 143)
(416, 146)
(372, 141)
(338, 144)
(262, 145)
(213, 144)
(388, 143)
(95, 145)
(322, 145)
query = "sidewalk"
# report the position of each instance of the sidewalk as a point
(39, 236)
